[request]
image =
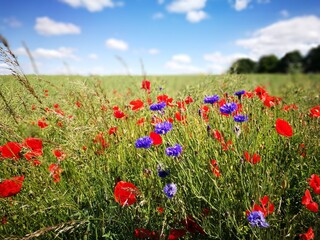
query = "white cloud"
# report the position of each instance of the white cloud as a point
(12, 22)
(240, 5)
(60, 53)
(219, 63)
(4, 69)
(196, 16)
(158, 15)
(181, 58)
(160, 2)
(181, 63)
(284, 13)
(93, 56)
(264, 1)
(300, 33)
(92, 5)
(117, 44)
(184, 6)
(48, 27)
(153, 51)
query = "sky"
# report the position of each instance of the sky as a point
(108, 37)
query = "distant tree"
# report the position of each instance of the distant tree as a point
(268, 64)
(312, 60)
(243, 65)
(291, 62)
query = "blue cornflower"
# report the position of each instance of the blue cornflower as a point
(174, 151)
(211, 99)
(161, 172)
(239, 93)
(163, 128)
(157, 106)
(144, 142)
(170, 190)
(228, 108)
(256, 219)
(240, 118)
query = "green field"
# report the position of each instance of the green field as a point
(75, 198)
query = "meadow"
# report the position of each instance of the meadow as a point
(160, 157)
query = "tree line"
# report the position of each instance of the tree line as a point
(291, 62)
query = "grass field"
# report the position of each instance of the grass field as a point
(83, 171)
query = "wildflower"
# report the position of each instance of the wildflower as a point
(214, 168)
(170, 190)
(283, 128)
(144, 142)
(136, 105)
(308, 202)
(211, 99)
(119, 114)
(240, 118)
(164, 98)
(266, 207)
(240, 93)
(180, 118)
(157, 106)
(309, 235)
(11, 187)
(260, 92)
(160, 210)
(78, 104)
(11, 150)
(228, 108)
(314, 183)
(256, 219)
(163, 128)
(156, 138)
(254, 159)
(55, 171)
(112, 130)
(176, 234)
(42, 124)
(161, 172)
(315, 111)
(59, 154)
(144, 233)
(35, 145)
(188, 100)
(125, 193)
(174, 151)
(146, 85)
(140, 121)
(271, 101)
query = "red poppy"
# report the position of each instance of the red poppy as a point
(59, 154)
(78, 104)
(136, 105)
(315, 111)
(266, 207)
(181, 105)
(155, 120)
(146, 85)
(248, 94)
(55, 171)
(160, 210)
(36, 162)
(140, 121)
(156, 138)
(254, 159)
(260, 92)
(288, 107)
(214, 168)
(271, 101)
(11, 187)
(11, 150)
(42, 124)
(308, 202)
(145, 233)
(309, 235)
(119, 114)
(314, 183)
(302, 150)
(191, 225)
(166, 99)
(33, 107)
(103, 108)
(283, 128)
(100, 139)
(4, 220)
(188, 100)
(113, 130)
(35, 144)
(176, 234)
(125, 193)
(180, 118)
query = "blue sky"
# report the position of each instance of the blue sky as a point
(167, 36)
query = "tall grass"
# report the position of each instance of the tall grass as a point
(82, 204)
